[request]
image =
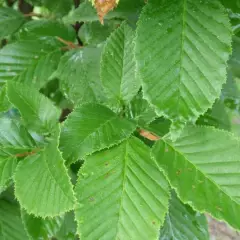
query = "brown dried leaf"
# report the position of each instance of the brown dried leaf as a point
(150, 136)
(103, 7)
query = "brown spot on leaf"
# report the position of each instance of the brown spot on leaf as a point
(91, 199)
(153, 222)
(103, 7)
(218, 208)
(178, 172)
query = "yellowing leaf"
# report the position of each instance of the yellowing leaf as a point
(104, 6)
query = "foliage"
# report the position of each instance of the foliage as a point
(118, 119)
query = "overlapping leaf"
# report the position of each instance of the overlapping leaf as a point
(140, 110)
(10, 21)
(31, 62)
(37, 111)
(182, 48)
(183, 223)
(125, 184)
(42, 185)
(78, 72)
(61, 227)
(43, 29)
(118, 66)
(95, 32)
(15, 141)
(11, 227)
(92, 127)
(4, 103)
(203, 166)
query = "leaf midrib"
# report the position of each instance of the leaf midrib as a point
(182, 52)
(123, 189)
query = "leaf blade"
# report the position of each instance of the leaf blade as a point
(42, 178)
(118, 66)
(90, 128)
(183, 223)
(38, 112)
(175, 80)
(134, 200)
(202, 166)
(10, 21)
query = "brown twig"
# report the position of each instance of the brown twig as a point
(70, 45)
(32, 14)
(76, 3)
(25, 154)
(150, 136)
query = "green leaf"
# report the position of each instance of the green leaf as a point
(121, 194)
(203, 166)
(31, 62)
(10, 21)
(183, 223)
(160, 126)
(78, 72)
(231, 90)
(60, 8)
(140, 110)
(62, 227)
(4, 103)
(46, 28)
(95, 33)
(90, 128)
(234, 5)
(87, 13)
(234, 61)
(14, 141)
(118, 66)
(68, 228)
(178, 45)
(216, 117)
(42, 185)
(37, 111)
(11, 227)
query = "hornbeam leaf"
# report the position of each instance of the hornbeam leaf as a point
(15, 142)
(44, 28)
(39, 228)
(42, 185)
(79, 76)
(11, 227)
(61, 227)
(140, 110)
(38, 112)
(10, 21)
(92, 127)
(4, 103)
(31, 62)
(203, 166)
(126, 183)
(183, 223)
(118, 66)
(182, 47)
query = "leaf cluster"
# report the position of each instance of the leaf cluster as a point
(118, 119)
